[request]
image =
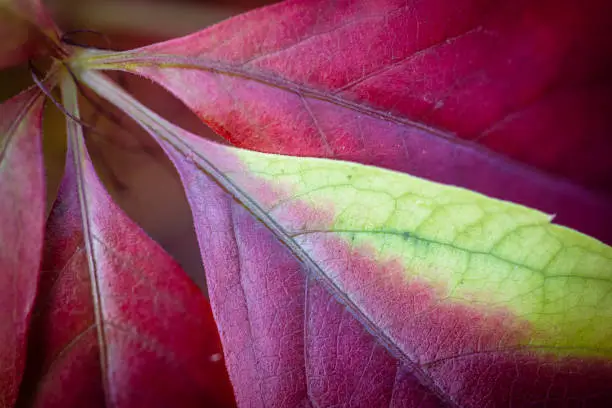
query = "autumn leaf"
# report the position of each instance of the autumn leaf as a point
(415, 212)
(117, 321)
(407, 258)
(416, 87)
(309, 90)
(21, 231)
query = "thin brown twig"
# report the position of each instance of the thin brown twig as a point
(90, 128)
(50, 96)
(109, 115)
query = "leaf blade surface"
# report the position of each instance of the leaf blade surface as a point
(21, 233)
(484, 303)
(118, 322)
(418, 87)
(476, 324)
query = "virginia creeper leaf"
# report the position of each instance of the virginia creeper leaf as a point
(412, 86)
(455, 299)
(22, 205)
(117, 322)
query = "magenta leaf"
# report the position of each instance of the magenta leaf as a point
(417, 86)
(319, 308)
(117, 322)
(22, 206)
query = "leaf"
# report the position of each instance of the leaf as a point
(117, 322)
(335, 283)
(412, 86)
(26, 29)
(22, 206)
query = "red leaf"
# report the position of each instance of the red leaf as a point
(22, 206)
(345, 326)
(117, 322)
(396, 83)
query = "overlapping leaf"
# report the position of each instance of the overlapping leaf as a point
(409, 86)
(117, 322)
(397, 84)
(334, 283)
(453, 299)
(22, 205)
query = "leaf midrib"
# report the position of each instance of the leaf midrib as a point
(304, 258)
